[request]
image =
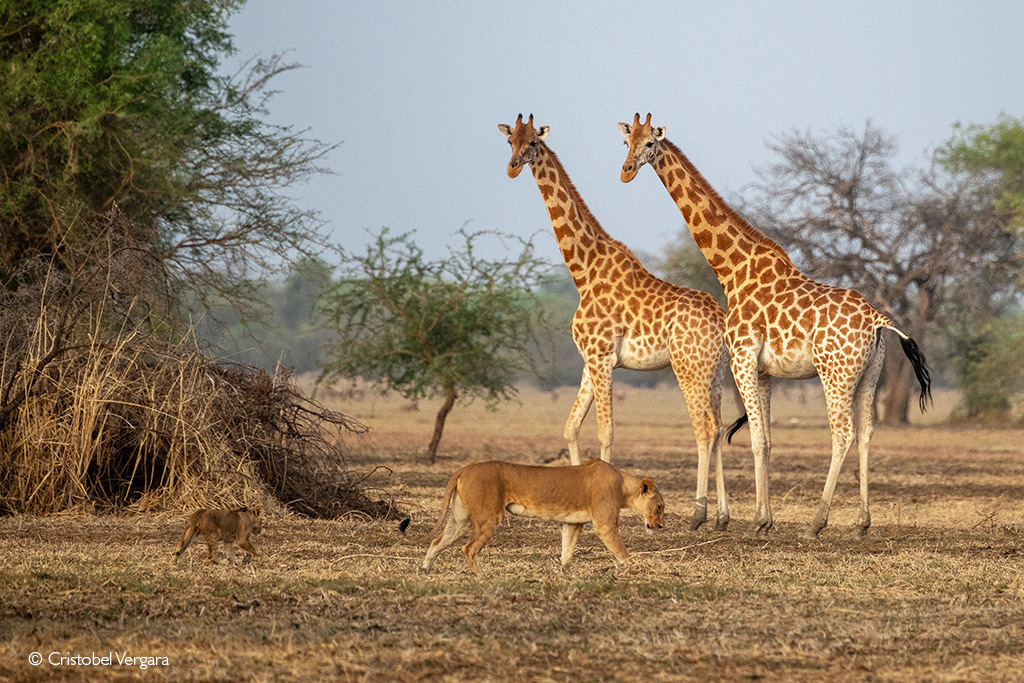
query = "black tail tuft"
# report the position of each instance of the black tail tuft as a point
(924, 376)
(735, 427)
(403, 525)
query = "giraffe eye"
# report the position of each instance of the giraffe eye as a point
(650, 144)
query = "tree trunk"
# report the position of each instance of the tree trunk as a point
(442, 415)
(894, 397)
(898, 375)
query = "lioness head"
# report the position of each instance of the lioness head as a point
(254, 516)
(650, 505)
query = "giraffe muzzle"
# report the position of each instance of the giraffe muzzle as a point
(628, 172)
(514, 169)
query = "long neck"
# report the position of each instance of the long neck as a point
(581, 239)
(735, 250)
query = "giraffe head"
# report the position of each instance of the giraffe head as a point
(643, 142)
(523, 139)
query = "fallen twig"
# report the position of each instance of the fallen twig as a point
(676, 550)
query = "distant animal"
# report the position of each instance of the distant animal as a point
(480, 494)
(233, 527)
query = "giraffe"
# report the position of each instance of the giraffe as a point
(780, 323)
(629, 318)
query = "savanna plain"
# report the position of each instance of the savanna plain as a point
(934, 592)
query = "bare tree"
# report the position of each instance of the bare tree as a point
(909, 240)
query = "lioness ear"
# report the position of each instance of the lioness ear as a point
(647, 485)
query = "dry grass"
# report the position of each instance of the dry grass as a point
(104, 407)
(935, 592)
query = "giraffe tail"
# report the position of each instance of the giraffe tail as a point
(735, 427)
(917, 360)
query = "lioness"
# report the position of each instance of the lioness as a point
(480, 494)
(231, 526)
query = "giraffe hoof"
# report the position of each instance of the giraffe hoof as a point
(700, 515)
(721, 523)
(863, 523)
(812, 532)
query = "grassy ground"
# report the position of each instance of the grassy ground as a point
(935, 592)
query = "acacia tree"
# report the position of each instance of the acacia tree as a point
(121, 103)
(456, 327)
(908, 240)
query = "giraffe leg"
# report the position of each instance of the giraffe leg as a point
(580, 408)
(744, 370)
(764, 393)
(706, 429)
(839, 395)
(863, 403)
(718, 443)
(702, 389)
(601, 381)
(722, 518)
(696, 405)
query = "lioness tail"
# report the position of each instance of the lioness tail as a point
(449, 491)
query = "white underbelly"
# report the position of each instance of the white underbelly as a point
(791, 364)
(636, 356)
(567, 517)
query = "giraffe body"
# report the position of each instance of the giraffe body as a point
(628, 318)
(780, 323)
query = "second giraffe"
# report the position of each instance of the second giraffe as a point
(780, 322)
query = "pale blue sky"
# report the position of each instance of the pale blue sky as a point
(414, 91)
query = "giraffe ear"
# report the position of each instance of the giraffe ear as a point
(625, 129)
(659, 133)
(505, 129)
(542, 132)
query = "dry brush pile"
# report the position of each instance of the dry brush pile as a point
(100, 410)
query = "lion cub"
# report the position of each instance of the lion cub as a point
(231, 526)
(480, 494)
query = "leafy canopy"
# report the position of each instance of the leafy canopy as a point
(119, 103)
(427, 326)
(995, 153)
